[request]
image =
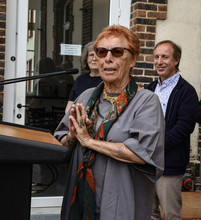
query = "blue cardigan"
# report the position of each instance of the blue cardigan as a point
(180, 124)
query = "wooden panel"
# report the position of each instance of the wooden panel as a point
(191, 205)
(29, 134)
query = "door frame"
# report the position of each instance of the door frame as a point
(15, 59)
(15, 54)
(15, 65)
(120, 12)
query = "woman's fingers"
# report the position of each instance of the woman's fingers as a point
(79, 113)
(84, 113)
(75, 123)
(82, 134)
(73, 111)
(88, 123)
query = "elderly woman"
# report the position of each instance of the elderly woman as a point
(116, 135)
(89, 78)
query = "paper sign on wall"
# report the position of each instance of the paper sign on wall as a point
(71, 49)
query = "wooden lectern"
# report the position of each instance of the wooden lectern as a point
(20, 148)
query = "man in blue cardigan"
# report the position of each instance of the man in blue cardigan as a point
(178, 100)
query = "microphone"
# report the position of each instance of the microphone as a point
(40, 76)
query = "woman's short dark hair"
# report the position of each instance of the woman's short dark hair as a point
(176, 50)
(88, 47)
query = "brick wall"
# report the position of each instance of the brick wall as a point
(87, 16)
(144, 14)
(2, 48)
(58, 29)
(43, 39)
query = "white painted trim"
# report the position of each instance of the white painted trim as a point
(114, 16)
(125, 6)
(120, 12)
(21, 52)
(10, 50)
(38, 202)
(16, 40)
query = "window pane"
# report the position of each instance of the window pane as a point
(50, 24)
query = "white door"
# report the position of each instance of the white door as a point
(15, 59)
(24, 37)
(16, 45)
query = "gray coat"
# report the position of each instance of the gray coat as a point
(123, 190)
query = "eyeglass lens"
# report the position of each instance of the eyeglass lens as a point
(116, 51)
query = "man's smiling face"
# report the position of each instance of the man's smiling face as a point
(164, 61)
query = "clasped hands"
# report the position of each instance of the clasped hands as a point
(79, 124)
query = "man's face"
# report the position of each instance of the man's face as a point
(164, 61)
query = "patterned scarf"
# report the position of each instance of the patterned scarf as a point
(83, 201)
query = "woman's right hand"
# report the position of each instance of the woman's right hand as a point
(79, 123)
(72, 130)
(75, 113)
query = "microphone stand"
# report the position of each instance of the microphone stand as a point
(26, 78)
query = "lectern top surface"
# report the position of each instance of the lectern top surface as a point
(28, 134)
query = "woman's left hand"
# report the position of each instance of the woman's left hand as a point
(81, 123)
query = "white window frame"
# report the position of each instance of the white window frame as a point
(120, 12)
(16, 39)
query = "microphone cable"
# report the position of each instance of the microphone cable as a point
(54, 173)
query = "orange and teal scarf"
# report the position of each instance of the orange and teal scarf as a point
(83, 201)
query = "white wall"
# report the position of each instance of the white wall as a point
(183, 26)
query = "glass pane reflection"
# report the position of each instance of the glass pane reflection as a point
(51, 23)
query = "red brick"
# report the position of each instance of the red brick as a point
(137, 72)
(149, 58)
(150, 44)
(140, 58)
(147, 7)
(145, 21)
(140, 14)
(151, 29)
(150, 73)
(2, 64)
(162, 8)
(158, 15)
(140, 28)
(142, 43)
(146, 36)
